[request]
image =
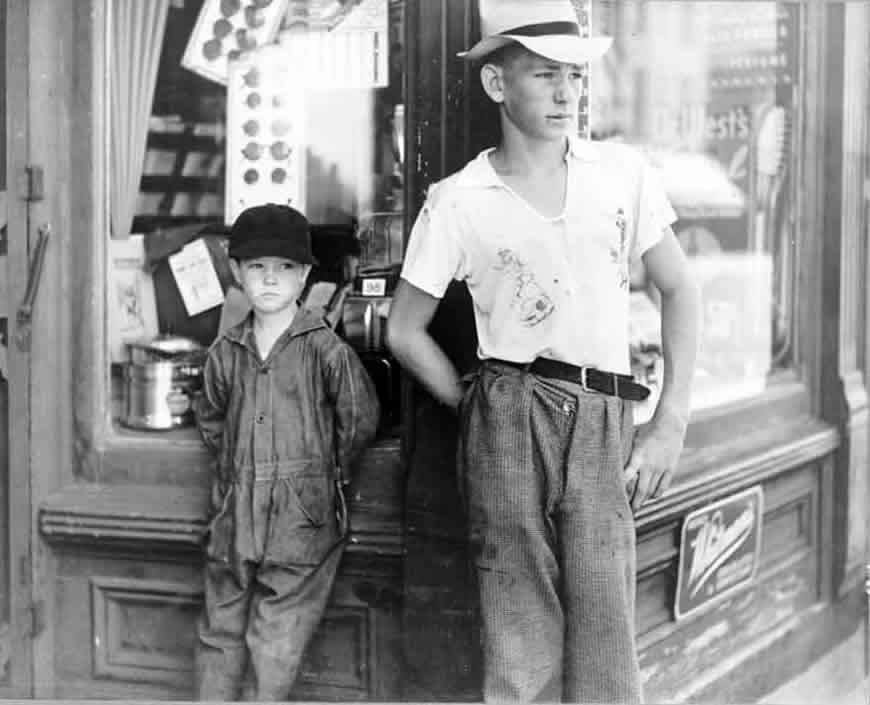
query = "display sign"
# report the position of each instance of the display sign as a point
(196, 278)
(350, 49)
(131, 301)
(719, 550)
(227, 28)
(734, 356)
(266, 143)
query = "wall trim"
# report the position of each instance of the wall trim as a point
(716, 472)
(170, 519)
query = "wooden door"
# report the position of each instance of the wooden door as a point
(450, 121)
(18, 619)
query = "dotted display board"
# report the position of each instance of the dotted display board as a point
(266, 136)
(225, 29)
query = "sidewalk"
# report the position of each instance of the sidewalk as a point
(835, 680)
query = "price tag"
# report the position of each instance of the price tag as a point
(196, 278)
(376, 286)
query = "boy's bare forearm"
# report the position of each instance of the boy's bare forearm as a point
(680, 330)
(421, 356)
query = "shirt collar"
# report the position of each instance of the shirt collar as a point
(305, 320)
(479, 172)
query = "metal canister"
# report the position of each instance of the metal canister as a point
(161, 381)
(160, 394)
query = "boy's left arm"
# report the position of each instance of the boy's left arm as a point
(658, 444)
(357, 411)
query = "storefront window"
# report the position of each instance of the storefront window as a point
(711, 92)
(218, 105)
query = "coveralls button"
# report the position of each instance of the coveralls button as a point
(261, 418)
(566, 407)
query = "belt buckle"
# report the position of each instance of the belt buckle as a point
(583, 383)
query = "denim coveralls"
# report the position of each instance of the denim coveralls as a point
(283, 431)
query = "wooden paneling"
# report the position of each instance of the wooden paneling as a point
(680, 659)
(356, 654)
(139, 617)
(143, 630)
(134, 553)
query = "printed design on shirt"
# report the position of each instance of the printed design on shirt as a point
(619, 256)
(533, 302)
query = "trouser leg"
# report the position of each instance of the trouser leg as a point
(221, 656)
(598, 557)
(507, 473)
(285, 613)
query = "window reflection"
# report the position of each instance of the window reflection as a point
(709, 90)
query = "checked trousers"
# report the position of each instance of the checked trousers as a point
(552, 537)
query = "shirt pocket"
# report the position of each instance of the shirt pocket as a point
(302, 522)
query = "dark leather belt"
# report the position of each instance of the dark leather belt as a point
(590, 379)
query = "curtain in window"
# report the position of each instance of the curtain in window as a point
(137, 39)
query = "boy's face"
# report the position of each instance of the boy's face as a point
(272, 284)
(540, 97)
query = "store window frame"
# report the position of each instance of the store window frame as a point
(788, 410)
(104, 449)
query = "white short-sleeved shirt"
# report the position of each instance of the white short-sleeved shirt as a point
(548, 287)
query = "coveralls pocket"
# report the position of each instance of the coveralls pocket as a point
(221, 528)
(302, 524)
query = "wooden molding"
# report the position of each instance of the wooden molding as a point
(173, 519)
(114, 516)
(714, 472)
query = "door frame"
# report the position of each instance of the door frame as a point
(20, 674)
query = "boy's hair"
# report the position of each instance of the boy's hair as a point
(504, 55)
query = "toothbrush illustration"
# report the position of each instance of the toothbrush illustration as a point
(771, 170)
(770, 167)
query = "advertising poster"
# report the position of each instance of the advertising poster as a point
(734, 355)
(720, 547)
(131, 301)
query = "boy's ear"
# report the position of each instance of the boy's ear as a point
(234, 268)
(492, 81)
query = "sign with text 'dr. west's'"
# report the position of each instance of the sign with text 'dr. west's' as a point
(719, 550)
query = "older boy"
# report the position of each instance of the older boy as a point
(286, 408)
(543, 229)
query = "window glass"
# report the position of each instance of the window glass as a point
(218, 105)
(710, 91)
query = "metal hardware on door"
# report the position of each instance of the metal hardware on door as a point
(31, 185)
(24, 316)
(35, 620)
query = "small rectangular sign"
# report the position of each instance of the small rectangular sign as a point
(375, 286)
(719, 550)
(196, 278)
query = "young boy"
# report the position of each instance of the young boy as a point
(542, 229)
(286, 407)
